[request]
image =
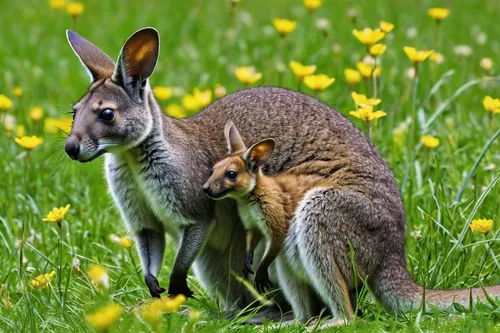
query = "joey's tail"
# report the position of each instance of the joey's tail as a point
(397, 291)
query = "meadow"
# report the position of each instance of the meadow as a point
(448, 180)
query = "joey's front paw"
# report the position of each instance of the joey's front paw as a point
(247, 269)
(179, 286)
(262, 282)
(153, 285)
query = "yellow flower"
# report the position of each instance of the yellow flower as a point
(300, 71)
(57, 4)
(171, 304)
(284, 26)
(318, 82)
(36, 113)
(367, 70)
(5, 102)
(368, 36)
(175, 111)
(363, 102)
(193, 317)
(152, 314)
(29, 142)
(486, 64)
(415, 55)
(42, 281)
(197, 100)
(105, 317)
(430, 141)
(219, 91)
(56, 214)
(162, 93)
(436, 57)
(386, 27)
(366, 114)
(352, 76)
(126, 242)
(482, 225)
(312, 5)
(17, 91)
(20, 131)
(56, 125)
(99, 275)
(438, 14)
(247, 74)
(492, 105)
(377, 49)
(74, 8)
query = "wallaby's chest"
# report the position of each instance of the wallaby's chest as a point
(253, 217)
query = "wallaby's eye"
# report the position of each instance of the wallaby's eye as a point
(107, 115)
(211, 171)
(231, 175)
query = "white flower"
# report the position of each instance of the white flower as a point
(322, 24)
(417, 234)
(336, 48)
(411, 32)
(462, 50)
(481, 38)
(410, 73)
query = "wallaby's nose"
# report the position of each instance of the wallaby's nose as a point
(206, 188)
(72, 147)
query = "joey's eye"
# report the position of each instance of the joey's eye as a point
(231, 175)
(211, 171)
(107, 115)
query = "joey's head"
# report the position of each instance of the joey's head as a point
(235, 176)
(118, 111)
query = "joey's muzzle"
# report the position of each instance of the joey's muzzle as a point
(72, 147)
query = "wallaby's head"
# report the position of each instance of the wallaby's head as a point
(235, 175)
(117, 112)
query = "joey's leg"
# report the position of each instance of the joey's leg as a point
(192, 241)
(253, 239)
(273, 249)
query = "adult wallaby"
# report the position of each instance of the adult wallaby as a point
(156, 166)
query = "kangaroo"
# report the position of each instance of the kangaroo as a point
(155, 167)
(266, 205)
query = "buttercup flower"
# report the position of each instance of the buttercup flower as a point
(42, 281)
(430, 141)
(300, 71)
(377, 49)
(482, 225)
(486, 64)
(193, 317)
(99, 275)
(17, 91)
(438, 14)
(247, 75)
(219, 91)
(415, 55)
(171, 304)
(126, 242)
(367, 70)
(56, 125)
(162, 93)
(29, 142)
(437, 58)
(492, 105)
(284, 26)
(74, 8)
(175, 111)
(56, 214)
(36, 113)
(312, 5)
(57, 4)
(318, 82)
(352, 76)
(105, 317)
(197, 100)
(152, 314)
(386, 27)
(366, 114)
(361, 100)
(5, 102)
(368, 36)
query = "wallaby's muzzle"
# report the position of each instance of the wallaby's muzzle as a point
(72, 147)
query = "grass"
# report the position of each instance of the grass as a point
(202, 43)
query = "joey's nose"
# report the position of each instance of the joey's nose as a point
(206, 188)
(72, 147)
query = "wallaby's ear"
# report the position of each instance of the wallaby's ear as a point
(137, 61)
(259, 153)
(96, 62)
(234, 142)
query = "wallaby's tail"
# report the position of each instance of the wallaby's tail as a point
(397, 291)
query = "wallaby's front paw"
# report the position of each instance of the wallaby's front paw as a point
(153, 285)
(262, 281)
(247, 269)
(179, 286)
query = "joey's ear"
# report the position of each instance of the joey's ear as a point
(96, 62)
(234, 142)
(137, 61)
(259, 153)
